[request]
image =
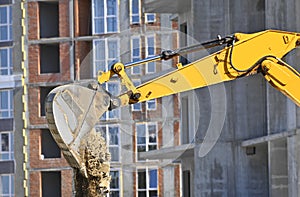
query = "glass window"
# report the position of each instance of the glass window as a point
(147, 182)
(6, 67)
(135, 11)
(150, 17)
(106, 51)
(151, 104)
(137, 106)
(6, 104)
(146, 137)
(105, 16)
(111, 133)
(7, 185)
(141, 134)
(114, 89)
(7, 146)
(114, 143)
(150, 43)
(135, 55)
(5, 23)
(114, 183)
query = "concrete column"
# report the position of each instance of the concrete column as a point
(293, 166)
(168, 175)
(278, 168)
(127, 181)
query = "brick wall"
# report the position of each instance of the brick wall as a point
(34, 65)
(83, 59)
(64, 18)
(34, 107)
(36, 183)
(66, 183)
(160, 182)
(36, 163)
(35, 154)
(33, 28)
(177, 181)
(82, 8)
(33, 19)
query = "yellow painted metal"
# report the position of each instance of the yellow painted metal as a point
(248, 51)
(283, 77)
(118, 69)
(24, 98)
(105, 76)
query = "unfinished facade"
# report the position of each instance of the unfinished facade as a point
(67, 41)
(257, 153)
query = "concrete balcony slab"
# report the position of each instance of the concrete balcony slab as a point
(167, 6)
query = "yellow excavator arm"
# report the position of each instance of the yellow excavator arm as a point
(73, 110)
(245, 54)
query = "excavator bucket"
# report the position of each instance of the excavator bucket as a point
(72, 112)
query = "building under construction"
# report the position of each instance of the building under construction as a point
(257, 153)
(155, 146)
(61, 42)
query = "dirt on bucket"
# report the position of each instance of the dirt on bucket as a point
(96, 179)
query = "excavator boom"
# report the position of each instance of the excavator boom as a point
(245, 55)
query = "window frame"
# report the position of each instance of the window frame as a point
(43, 145)
(147, 37)
(105, 17)
(147, 143)
(119, 177)
(137, 106)
(149, 102)
(135, 14)
(44, 58)
(135, 57)
(10, 151)
(106, 59)
(43, 182)
(43, 92)
(9, 67)
(11, 185)
(107, 138)
(148, 189)
(150, 21)
(108, 115)
(8, 24)
(10, 105)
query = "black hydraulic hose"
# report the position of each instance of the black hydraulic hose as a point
(168, 54)
(232, 65)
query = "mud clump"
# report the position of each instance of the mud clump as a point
(94, 180)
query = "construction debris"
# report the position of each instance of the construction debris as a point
(95, 183)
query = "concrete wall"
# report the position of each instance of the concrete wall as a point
(18, 103)
(222, 171)
(283, 115)
(254, 109)
(212, 18)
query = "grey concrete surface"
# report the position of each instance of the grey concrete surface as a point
(254, 108)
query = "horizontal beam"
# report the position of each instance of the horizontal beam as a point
(167, 6)
(172, 152)
(268, 138)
